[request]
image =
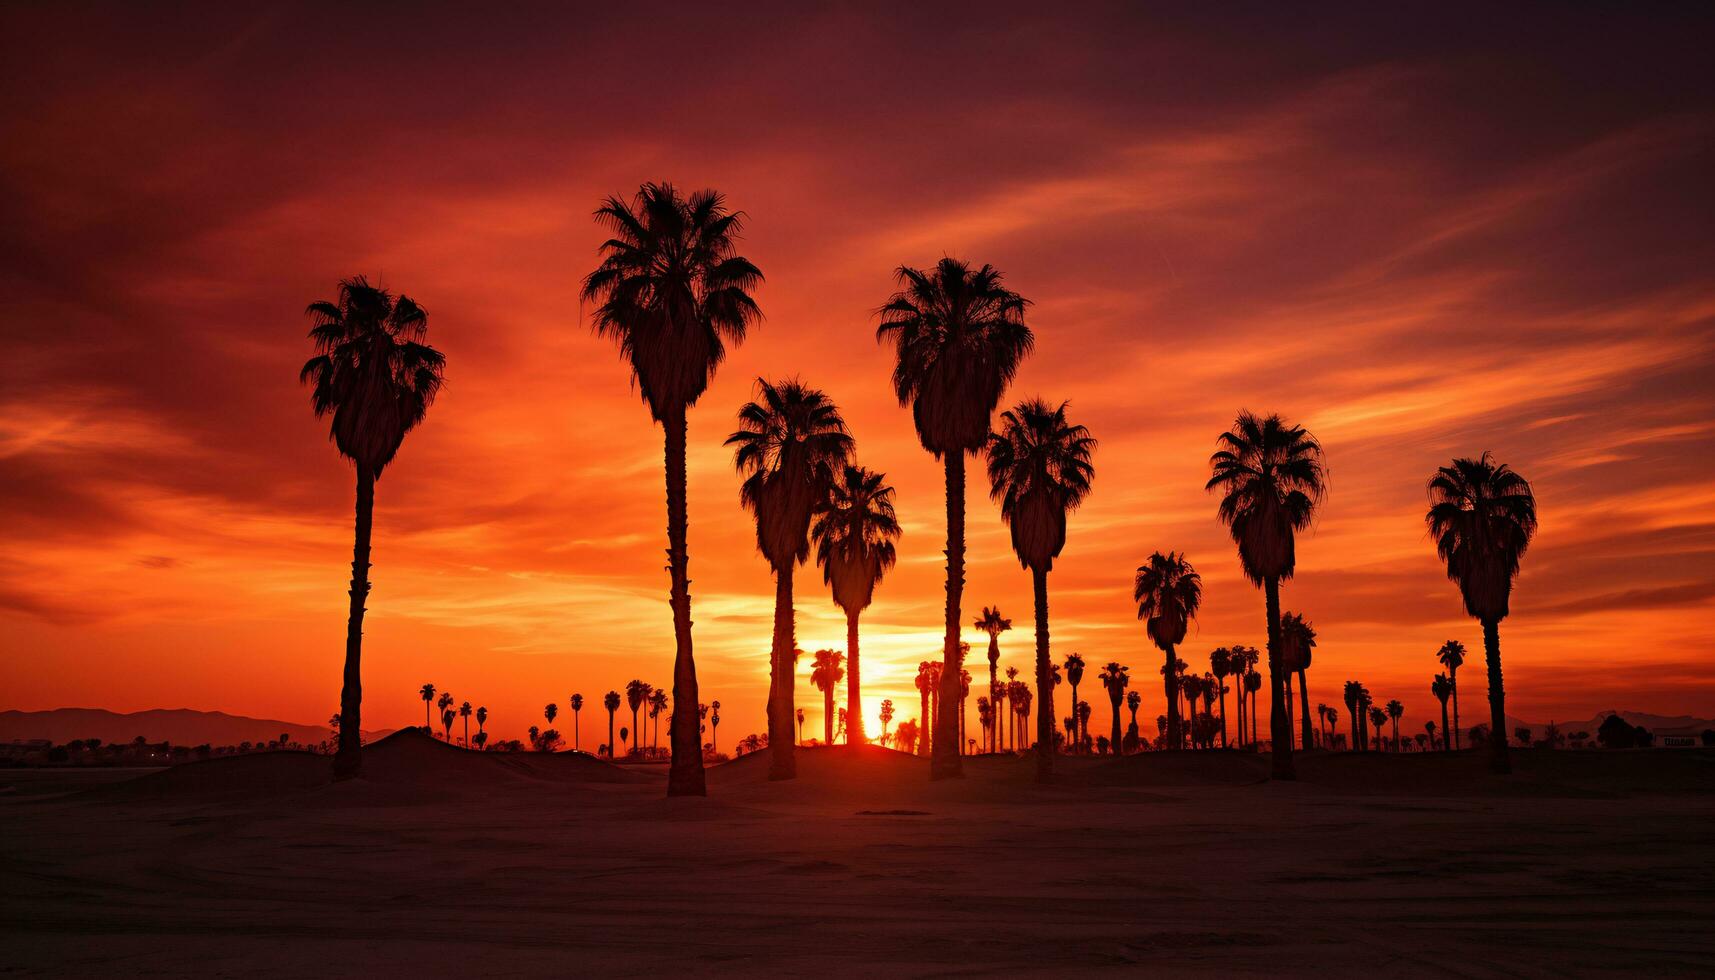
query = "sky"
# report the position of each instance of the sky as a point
(1421, 232)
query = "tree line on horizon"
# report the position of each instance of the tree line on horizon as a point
(673, 293)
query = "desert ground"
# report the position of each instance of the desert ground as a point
(441, 862)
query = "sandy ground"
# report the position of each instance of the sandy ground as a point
(441, 862)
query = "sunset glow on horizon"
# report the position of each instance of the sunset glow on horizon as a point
(1399, 242)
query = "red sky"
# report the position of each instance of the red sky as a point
(1419, 237)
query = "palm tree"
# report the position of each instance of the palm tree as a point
(673, 293)
(657, 704)
(1353, 694)
(1482, 516)
(1297, 640)
(464, 712)
(994, 624)
(1074, 675)
(1083, 716)
(1168, 591)
(789, 444)
(1115, 678)
(577, 714)
(550, 711)
(959, 336)
(1253, 684)
(447, 717)
(855, 530)
(800, 715)
(1452, 656)
(886, 717)
(481, 720)
(964, 694)
(444, 703)
(1442, 688)
(1020, 697)
(1132, 701)
(428, 693)
(1039, 470)
(373, 374)
(610, 701)
(1378, 718)
(1326, 718)
(1395, 711)
(636, 695)
(1220, 667)
(1271, 476)
(1012, 684)
(1244, 660)
(925, 682)
(825, 673)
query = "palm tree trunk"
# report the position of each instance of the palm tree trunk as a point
(1220, 681)
(1170, 679)
(610, 742)
(1304, 709)
(781, 764)
(828, 716)
(1239, 705)
(685, 774)
(467, 732)
(1453, 675)
(348, 758)
(994, 686)
(945, 762)
(1446, 745)
(1498, 761)
(854, 693)
(1114, 736)
(1352, 719)
(578, 735)
(1044, 682)
(1279, 729)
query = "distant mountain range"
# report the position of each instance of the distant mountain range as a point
(1657, 724)
(180, 726)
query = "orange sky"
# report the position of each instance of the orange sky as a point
(1419, 240)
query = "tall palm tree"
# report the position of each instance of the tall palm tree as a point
(715, 727)
(428, 693)
(854, 532)
(1039, 469)
(1378, 718)
(1395, 711)
(789, 445)
(636, 695)
(1115, 678)
(1442, 688)
(481, 720)
(577, 703)
(1482, 516)
(925, 682)
(1326, 717)
(1353, 694)
(1297, 640)
(1168, 591)
(464, 712)
(447, 716)
(1012, 684)
(1132, 701)
(1244, 660)
(964, 693)
(1271, 477)
(825, 673)
(1220, 666)
(610, 701)
(1020, 697)
(1452, 656)
(1075, 675)
(444, 703)
(551, 711)
(673, 293)
(374, 375)
(1253, 684)
(994, 624)
(799, 713)
(959, 336)
(886, 717)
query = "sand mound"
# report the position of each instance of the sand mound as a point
(1592, 774)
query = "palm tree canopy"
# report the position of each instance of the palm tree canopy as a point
(672, 290)
(1451, 655)
(1297, 640)
(855, 531)
(1074, 669)
(428, 692)
(992, 622)
(1395, 709)
(1441, 687)
(610, 700)
(827, 670)
(577, 702)
(790, 443)
(372, 372)
(959, 336)
(1271, 477)
(1167, 591)
(1482, 516)
(1115, 677)
(1039, 470)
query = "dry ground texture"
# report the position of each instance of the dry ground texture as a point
(445, 862)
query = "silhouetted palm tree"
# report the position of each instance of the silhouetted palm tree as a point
(825, 673)
(577, 703)
(636, 694)
(1168, 591)
(790, 443)
(958, 335)
(610, 701)
(1039, 470)
(1482, 516)
(1452, 656)
(1019, 697)
(925, 681)
(673, 293)
(1327, 719)
(481, 720)
(1270, 475)
(376, 377)
(445, 704)
(550, 711)
(855, 531)
(1298, 640)
(1132, 701)
(1011, 685)
(1395, 711)
(1074, 676)
(1378, 718)
(886, 717)
(1353, 693)
(1442, 688)
(994, 624)
(800, 717)
(1253, 684)
(464, 712)
(448, 715)
(964, 693)
(714, 727)
(1083, 716)
(657, 704)
(1220, 667)
(428, 693)
(1115, 678)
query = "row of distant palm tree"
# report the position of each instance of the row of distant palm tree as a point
(673, 293)
(449, 713)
